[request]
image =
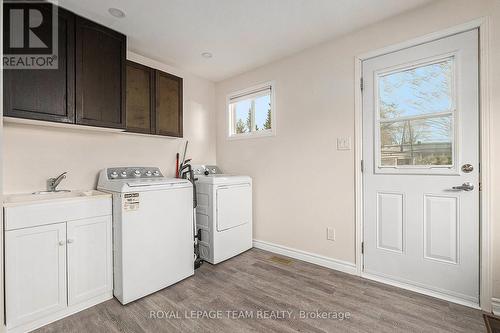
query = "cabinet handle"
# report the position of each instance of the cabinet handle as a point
(70, 240)
(61, 243)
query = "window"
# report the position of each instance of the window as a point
(251, 112)
(416, 111)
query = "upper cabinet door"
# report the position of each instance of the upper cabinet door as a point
(45, 94)
(140, 98)
(100, 75)
(168, 104)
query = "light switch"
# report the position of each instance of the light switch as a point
(330, 234)
(344, 143)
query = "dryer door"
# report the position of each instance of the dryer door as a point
(234, 206)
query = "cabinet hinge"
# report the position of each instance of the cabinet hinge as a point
(361, 84)
(362, 166)
(362, 247)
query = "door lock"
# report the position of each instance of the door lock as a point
(467, 168)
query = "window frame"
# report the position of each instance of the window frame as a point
(455, 113)
(230, 123)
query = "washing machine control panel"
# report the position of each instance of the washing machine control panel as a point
(133, 173)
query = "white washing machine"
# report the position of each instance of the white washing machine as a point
(152, 230)
(223, 214)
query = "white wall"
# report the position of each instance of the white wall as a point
(34, 153)
(302, 183)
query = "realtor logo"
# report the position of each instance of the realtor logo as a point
(30, 35)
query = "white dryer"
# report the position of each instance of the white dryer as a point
(152, 230)
(223, 214)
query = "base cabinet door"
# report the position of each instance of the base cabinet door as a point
(35, 273)
(89, 258)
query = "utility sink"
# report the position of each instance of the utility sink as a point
(41, 208)
(31, 198)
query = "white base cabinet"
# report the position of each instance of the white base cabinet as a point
(89, 259)
(56, 269)
(35, 272)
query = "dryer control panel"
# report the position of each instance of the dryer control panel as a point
(133, 172)
(205, 170)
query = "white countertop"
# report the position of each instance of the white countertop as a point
(12, 200)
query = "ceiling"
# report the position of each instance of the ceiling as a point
(241, 34)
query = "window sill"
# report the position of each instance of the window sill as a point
(252, 135)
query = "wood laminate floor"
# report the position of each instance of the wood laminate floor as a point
(264, 287)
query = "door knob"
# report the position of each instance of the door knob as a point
(467, 186)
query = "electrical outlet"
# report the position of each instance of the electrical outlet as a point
(330, 234)
(344, 143)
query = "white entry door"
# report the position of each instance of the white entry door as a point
(421, 167)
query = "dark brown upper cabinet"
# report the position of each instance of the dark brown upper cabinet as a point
(100, 75)
(154, 101)
(88, 87)
(168, 104)
(140, 98)
(45, 94)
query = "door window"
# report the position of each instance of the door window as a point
(416, 116)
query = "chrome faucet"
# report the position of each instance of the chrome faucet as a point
(52, 183)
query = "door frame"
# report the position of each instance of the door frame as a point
(485, 281)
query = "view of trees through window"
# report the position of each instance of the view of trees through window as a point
(416, 115)
(252, 114)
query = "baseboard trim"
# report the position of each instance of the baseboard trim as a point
(312, 258)
(495, 306)
(350, 268)
(421, 290)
